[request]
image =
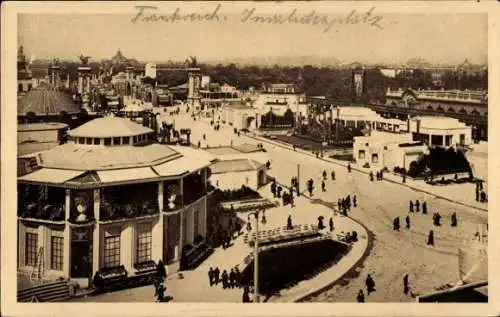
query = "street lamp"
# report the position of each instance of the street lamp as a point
(256, 253)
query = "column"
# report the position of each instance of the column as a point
(157, 232)
(205, 217)
(67, 235)
(80, 84)
(127, 246)
(430, 139)
(22, 243)
(96, 248)
(181, 190)
(181, 235)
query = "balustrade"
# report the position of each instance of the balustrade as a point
(115, 211)
(52, 211)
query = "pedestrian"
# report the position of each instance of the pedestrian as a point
(406, 287)
(377, 175)
(395, 224)
(407, 222)
(370, 285)
(348, 167)
(324, 175)
(323, 186)
(411, 206)
(361, 296)
(424, 208)
(204, 136)
(333, 175)
(289, 222)
(237, 275)
(381, 175)
(232, 279)
(430, 238)
(216, 275)
(321, 226)
(225, 282)
(354, 201)
(339, 204)
(348, 201)
(417, 206)
(331, 224)
(211, 276)
(246, 298)
(199, 144)
(454, 219)
(161, 272)
(371, 176)
(160, 292)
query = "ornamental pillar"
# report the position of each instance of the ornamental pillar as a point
(157, 232)
(96, 241)
(67, 235)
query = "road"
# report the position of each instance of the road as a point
(392, 254)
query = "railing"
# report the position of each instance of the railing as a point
(117, 211)
(42, 210)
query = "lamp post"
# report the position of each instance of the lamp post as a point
(256, 254)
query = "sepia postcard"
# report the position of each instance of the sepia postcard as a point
(249, 158)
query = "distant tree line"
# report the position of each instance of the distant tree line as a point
(331, 82)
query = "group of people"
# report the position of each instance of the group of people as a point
(370, 288)
(344, 204)
(436, 219)
(379, 175)
(228, 280)
(480, 194)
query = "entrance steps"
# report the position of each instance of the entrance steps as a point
(50, 292)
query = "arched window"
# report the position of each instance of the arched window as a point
(450, 109)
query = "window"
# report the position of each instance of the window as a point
(31, 249)
(97, 141)
(448, 140)
(19, 87)
(126, 140)
(375, 158)
(135, 139)
(107, 141)
(116, 141)
(112, 251)
(89, 141)
(81, 140)
(144, 243)
(56, 253)
(361, 154)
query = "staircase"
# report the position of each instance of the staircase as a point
(50, 292)
(39, 268)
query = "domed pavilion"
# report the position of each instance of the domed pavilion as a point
(46, 104)
(111, 200)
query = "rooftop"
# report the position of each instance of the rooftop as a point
(108, 127)
(41, 126)
(43, 100)
(435, 122)
(81, 157)
(237, 165)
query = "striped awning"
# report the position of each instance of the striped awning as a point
(51, 175)
(180, 166)
(130, 174)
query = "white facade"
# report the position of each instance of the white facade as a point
(382, 149)
(441, 131)
(234, 180)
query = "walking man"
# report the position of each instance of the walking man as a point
(424, 208)
(407, 222)
(370, 285)
(411, 206)
(331, 224)
(430, 238)
(406, 287)
(354, 201)
(211, 276)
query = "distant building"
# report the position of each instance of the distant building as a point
(37, 137)
(238, 165)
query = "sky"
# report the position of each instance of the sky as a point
(438, 38)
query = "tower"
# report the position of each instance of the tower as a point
(194, 84)
(55, 75)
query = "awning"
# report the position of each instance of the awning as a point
(180, 166)
(51, 175)
(120, 175)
